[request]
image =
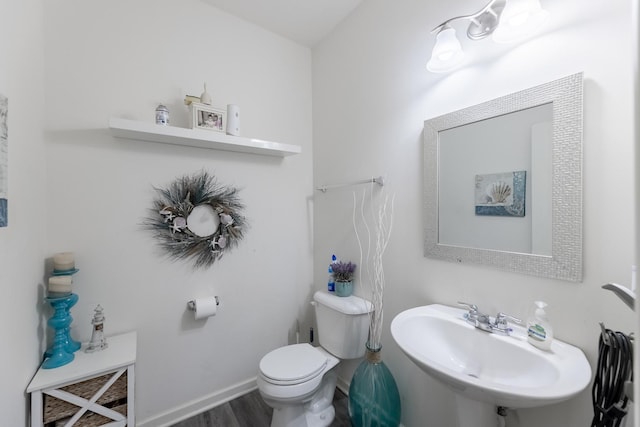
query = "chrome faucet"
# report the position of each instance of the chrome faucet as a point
(476, 318)
(499, 324)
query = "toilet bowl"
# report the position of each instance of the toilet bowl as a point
(298, 381)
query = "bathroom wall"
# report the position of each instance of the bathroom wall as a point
(21, 243)
(120, 59)
(371, 96)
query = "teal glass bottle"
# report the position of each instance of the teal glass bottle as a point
(374, 400)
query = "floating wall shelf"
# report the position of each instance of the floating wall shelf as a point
(132, 129)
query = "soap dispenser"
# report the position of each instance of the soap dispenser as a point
(539, 330)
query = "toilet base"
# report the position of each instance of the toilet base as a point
(317, 411)
(323, 418)
(298, 416)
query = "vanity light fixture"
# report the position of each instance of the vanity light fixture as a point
(519, 19)
(447, 53)
(507, 20)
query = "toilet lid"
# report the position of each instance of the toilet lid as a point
(293, 364)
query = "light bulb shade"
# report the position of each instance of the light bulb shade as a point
(447, 52)
(519, 19)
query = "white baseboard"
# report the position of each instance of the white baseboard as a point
(200, 405)
(343, 385)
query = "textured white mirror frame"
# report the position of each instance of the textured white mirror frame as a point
(565, 261)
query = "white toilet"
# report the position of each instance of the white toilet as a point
(298, 381)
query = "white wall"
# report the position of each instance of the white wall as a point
(371, 96)
(21, 243)
(121, 59)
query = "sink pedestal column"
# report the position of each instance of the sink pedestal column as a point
(473, 413)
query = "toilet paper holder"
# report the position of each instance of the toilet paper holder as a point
(191, 305)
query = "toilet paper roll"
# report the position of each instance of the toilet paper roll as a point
(204, 307)
(233, 120)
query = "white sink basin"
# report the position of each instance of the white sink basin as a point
(491, 368)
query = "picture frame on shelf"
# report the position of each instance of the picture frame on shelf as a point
(206, 117)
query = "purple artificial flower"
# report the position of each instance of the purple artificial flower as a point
(343, 271)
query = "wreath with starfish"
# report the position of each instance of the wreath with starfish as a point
(196, 218)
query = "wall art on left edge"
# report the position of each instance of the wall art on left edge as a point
(4, 163)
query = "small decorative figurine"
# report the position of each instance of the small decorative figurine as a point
(98, 342)
(162, 115)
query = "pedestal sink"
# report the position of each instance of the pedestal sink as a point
(487, 370)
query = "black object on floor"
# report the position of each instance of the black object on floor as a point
(615, 367)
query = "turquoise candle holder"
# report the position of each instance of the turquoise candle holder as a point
(61, 352)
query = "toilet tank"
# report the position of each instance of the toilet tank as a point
(343, 324)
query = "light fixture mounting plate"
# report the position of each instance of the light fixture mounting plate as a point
(486, 22)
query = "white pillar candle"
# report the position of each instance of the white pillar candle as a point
(64, 261)
(60, 284)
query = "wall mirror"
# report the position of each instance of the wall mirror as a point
(503, 182)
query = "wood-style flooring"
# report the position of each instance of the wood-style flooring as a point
(251, 411)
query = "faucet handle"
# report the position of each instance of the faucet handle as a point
(501, 319)
(471, 307)
(500, 325)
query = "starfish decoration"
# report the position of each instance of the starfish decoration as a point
(168, 214)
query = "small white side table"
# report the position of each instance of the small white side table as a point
(95, 389)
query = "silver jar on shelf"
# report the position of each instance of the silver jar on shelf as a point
(162, 115)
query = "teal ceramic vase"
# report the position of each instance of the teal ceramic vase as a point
(343, 289)
(374, 400)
